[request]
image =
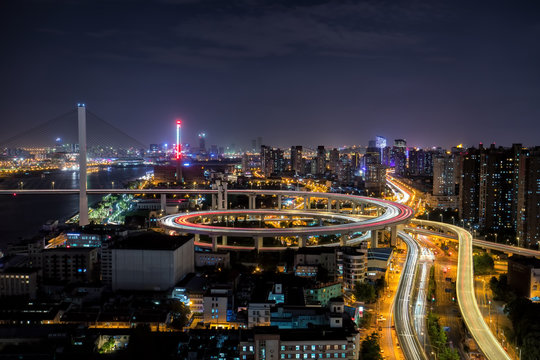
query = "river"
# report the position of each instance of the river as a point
(22, 216)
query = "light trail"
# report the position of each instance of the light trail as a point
(420, 303)
(394, 214)
(472, 316)
(468, 306)
(412, 349)
(509, 249)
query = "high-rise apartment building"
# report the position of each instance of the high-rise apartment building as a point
(469, 186)
(444, 175)
(497, 194)
(202, 143)
(321, 160)
(528, 202)
(421, 162)
(272, 161)
(333, 163)
(297, 161)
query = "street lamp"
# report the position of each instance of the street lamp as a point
(112, 184)
(441, 218)
(435, 353)
(453, 221)
(52, 185)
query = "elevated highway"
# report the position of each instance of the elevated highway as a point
(508, 249)
(472, 316)
(405, 329)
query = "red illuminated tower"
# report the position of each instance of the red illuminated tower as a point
(179, 176)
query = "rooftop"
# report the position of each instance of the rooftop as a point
(152, 240)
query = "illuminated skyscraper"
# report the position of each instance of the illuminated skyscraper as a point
(202, 143)
(297, 162)
(320, 160)
(333, 162)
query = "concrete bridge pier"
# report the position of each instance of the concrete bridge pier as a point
(258, 243)
(393, 235)
(214, 243)
(252, 202)
(374, 238)
(163, 202)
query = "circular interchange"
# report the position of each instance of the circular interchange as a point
(393, 214)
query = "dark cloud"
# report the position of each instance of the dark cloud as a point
(304, 71)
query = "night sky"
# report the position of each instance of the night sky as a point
(293, 72)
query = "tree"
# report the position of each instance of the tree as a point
(107, 346)
(370, 348)
(179, 313)
(365, 292)
(483, 264)
(449, 354)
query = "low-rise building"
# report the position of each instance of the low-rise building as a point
(70, 264)
(259, 314)
(272, 343)
(378, 260)
(524, 276)
(151, 261)
(217, 302)
(353, 261)
(220, 259)
(18, 282)
(321, 293)
(321, 256)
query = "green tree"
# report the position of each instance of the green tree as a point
(107, 346)
(483, 264)
(180, 314)
(370, 348)
(365, 292)
(448, 354)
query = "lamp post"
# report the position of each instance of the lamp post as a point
(441, 217)
(453, 221)
(52, 185)
(435, 353)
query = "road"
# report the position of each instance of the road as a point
(404, 321)
(493, 312)
(508, 249)
(389, 342)
(466, 295)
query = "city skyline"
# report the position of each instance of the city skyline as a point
(342, 73)
(270, 179)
